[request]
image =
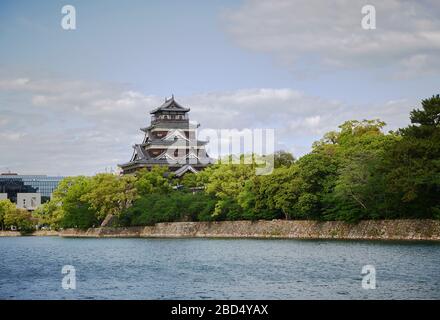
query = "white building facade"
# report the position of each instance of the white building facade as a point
(28, 201)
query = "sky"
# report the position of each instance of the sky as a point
(72, 101)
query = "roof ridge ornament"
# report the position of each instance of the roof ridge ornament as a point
(170, 99)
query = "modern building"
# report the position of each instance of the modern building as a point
(13, 184)
(170, 140)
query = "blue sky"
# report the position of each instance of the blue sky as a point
(77, 98)
(157, 47)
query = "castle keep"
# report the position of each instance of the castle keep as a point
(170, 140)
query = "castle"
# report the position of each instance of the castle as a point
(170, 140)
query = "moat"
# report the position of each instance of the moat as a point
(30, 268)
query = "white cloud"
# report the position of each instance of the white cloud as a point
(68, 127)
(313, 121)
(13, 83)
(327, 34)
(72, 127)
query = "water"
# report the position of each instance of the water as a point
(30, 268)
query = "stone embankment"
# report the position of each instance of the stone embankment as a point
(281, 229)
(364, 230)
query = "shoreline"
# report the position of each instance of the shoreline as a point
(402, 229)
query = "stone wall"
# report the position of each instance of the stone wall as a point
(368, 229)
(35, 233)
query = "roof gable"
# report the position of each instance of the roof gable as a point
(179, 172)
(139, 154)
(175, 133)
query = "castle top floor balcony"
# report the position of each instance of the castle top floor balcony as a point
(169, 118)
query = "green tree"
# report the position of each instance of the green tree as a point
(317, 172)
(283, 158)
(19, 218)
(173, 206)
(68, 209)
(282, 189)
(156, 180)
(226, 182)
(6, 206)
(359, 190)
(413, 163)
(192, 180)
(49, 214)
(109, 194)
